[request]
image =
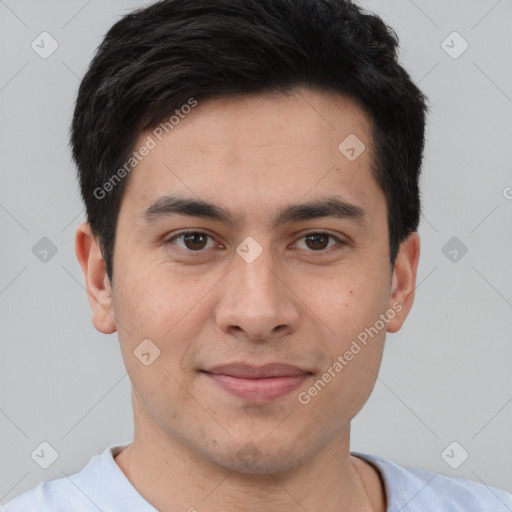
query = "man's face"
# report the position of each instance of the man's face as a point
(254, 291)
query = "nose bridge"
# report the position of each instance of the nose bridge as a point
(252, 277)
(253, 297)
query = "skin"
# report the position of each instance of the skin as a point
(295, 304)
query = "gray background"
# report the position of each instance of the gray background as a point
(445, 376)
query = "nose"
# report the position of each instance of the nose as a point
(255, 301)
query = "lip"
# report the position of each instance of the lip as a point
(258, 383)
(248, 371)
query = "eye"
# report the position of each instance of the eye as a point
(192, 240)
(320, 241)
(197, 241)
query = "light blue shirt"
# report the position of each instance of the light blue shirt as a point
(102, 486)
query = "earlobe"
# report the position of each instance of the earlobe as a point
(98, 285)
(403, 282)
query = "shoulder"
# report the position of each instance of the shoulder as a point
(459, 494)
(54, 496)
(414, 489)
(82, 491)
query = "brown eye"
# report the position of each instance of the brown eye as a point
(195, 241)
(317, 241)
(320, 242)
(191, 240)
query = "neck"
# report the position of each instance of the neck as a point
(173, 477)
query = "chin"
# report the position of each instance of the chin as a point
(253, 458)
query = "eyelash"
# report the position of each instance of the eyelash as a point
(340, 243)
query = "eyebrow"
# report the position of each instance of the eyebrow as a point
(333, 206)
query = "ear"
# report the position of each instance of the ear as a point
(403, 282)
(98, 286)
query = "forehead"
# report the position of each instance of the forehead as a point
(269, 148)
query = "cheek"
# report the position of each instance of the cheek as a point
(345, 303)
(339, 393)
(355, 354)
(171, 312)
(350, 306)
(155, 300)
